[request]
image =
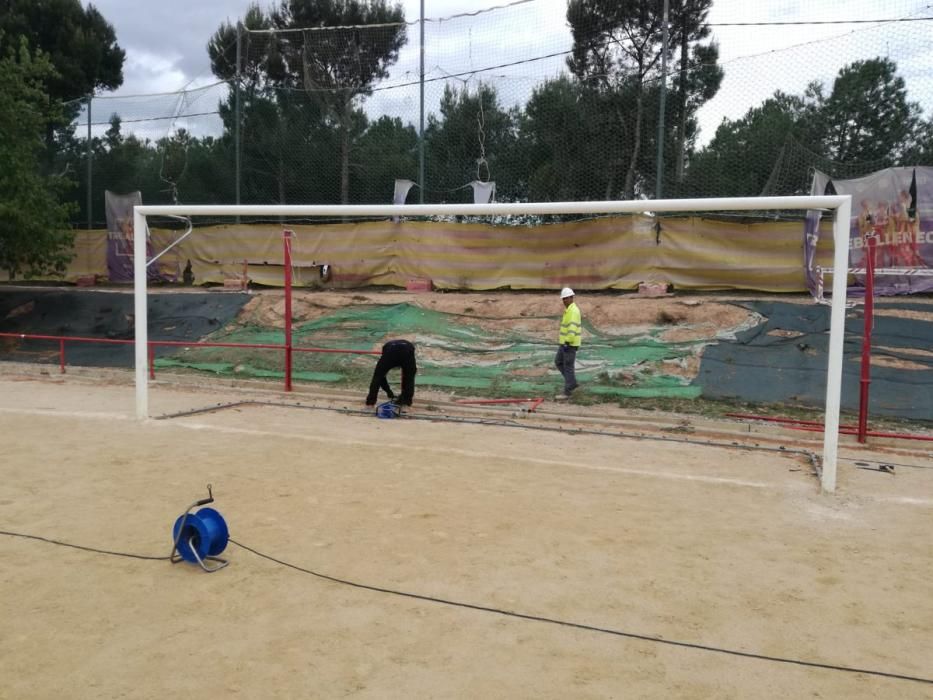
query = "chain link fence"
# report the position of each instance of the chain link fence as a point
(547, 105)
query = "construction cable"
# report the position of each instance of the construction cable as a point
(654, 639)
(813, 459)
(582, 626)
(81, 547)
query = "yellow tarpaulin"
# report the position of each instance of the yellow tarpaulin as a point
(604, 253)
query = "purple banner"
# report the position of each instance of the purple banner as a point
(896, 206)
(120, 237)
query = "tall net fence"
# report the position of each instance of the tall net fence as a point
(535, 100)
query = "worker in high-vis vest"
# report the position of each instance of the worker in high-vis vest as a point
(570, 337)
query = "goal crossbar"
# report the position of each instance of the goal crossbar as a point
(839, 205)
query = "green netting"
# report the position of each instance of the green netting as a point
(459, 353)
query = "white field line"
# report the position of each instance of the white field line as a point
(109, 416)
(473, 454)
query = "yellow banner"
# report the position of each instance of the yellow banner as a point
(604, 253)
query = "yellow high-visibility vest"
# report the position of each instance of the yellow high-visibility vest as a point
(570, 327)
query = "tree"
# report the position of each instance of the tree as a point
(699, 75)
(387, 150)
(867, 116)
(865, 123)
(474, 138)
(572, 143)
(617, 48)
(34, 233)
(742, 155)
(80, 44)
(323, 51)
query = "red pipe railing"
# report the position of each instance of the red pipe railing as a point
(865, 379)
(534, 402)
(774, 419)
(817, 427)
(153, 344)
(287, 245)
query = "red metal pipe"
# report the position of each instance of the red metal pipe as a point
(287, 245)
(534, 402)
(870, 433)
(61, 355)
(865, 379)
(186, 344)
(774, 419)
(151, 361)
(183, 343)
(76, 338)
(817, 427)
(338, 350)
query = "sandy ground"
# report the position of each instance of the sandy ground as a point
(705, 545)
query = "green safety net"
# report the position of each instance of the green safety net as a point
(456, 352)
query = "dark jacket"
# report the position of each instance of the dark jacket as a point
(395, 353)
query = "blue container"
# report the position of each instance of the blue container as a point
(388, 410)
(208, 530)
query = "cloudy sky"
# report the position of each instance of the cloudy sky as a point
(166, 42)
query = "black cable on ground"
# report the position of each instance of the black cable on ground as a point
(585, 627)
(511, 613)
(811, 457)
(884, 461)
(78, 546)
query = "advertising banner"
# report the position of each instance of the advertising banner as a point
(896, 206)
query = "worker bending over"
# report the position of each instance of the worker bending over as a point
(395, 353)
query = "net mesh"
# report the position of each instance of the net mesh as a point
(332, 115)
(509, 357)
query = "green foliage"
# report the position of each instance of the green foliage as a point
(80, 44)
(309, 81)
(474, 138)
(574, 148)
(741, 155)
(865, 123)
(618, 50)
(867, 115)
(386, 150)
(34, 235)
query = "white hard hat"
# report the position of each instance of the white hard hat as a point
(566, 292)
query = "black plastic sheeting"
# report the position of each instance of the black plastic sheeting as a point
(172, 316)
(762, 368)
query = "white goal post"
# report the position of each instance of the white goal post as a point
(840, 205)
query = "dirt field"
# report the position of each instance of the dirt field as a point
(671, 542)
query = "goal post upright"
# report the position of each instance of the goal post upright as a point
(837, 320)
(840, 205)
(140, 312)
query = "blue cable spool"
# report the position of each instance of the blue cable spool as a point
(206, 531)
(388, 409)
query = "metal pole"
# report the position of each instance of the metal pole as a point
(865, 379)
(837, 322)
(421, 123)
(89, 163)
(659, 184)
(287, 242)
(140, 314)
(236, 126)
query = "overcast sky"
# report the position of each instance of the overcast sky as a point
(165, 43)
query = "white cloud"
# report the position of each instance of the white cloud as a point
(147, 72)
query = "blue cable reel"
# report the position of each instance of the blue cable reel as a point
(199, 537)
(389, 409)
